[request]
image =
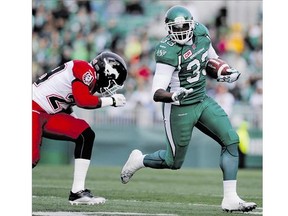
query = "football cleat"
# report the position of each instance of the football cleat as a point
(84, 197)
(237, 205)
(134, 163)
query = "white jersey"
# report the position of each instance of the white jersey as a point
(53, 91)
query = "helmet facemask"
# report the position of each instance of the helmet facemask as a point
(181, 30)
(109, 90)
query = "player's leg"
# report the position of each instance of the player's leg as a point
(215, 123)
(36, 137)
(38, 120)
(178, 122)
(66, 127)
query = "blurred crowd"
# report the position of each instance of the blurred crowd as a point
(73, 29)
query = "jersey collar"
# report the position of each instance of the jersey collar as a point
(190, 42)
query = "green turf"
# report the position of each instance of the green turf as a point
(182, 192)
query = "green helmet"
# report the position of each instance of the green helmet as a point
(179, 24)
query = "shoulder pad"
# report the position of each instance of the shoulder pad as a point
(83, 71)
(200, 29)
(166, 52)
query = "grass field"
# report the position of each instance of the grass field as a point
(150, 192)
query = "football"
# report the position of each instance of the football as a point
(216, 67)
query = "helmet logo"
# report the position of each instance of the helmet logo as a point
(109, 70)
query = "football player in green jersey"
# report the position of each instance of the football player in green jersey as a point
(180, 83)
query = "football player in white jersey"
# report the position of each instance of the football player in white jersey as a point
(75, 84)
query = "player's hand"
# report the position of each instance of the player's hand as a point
(229, 78)
(181, 94)
(118, 100)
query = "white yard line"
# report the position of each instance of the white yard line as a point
(95, 214)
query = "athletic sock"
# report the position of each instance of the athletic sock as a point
(80, 171)
(230, 189)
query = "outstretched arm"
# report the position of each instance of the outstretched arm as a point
(84, 99)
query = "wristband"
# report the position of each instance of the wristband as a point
(106, 101)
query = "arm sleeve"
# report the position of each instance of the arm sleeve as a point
(212, 53)
(162, 77)
(82, 96)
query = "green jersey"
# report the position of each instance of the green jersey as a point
(189, 62)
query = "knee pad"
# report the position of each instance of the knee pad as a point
(231, 149)
(174, 165)
(229, 161)
(84, 144)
